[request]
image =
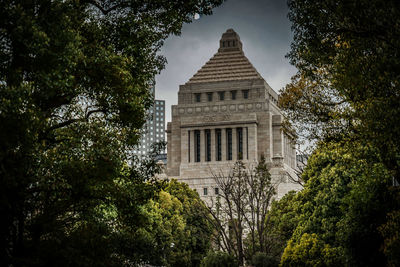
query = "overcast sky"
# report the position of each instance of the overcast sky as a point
(264, 30)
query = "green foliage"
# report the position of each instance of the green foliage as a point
(281, 221)
(391, 233)
(344, 202)
(164, 230)
(74, 81)
(283, 215)
(261, 259)
(347, 96)
(198, 229)
(175, 229)
(219, 259)
(310, 251)
(348, 81)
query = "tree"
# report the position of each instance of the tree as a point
(261, 259)
(261, 190)
(219, 259)
(242, 205)
(281, 221)
(347, 91)
(391, 235)
(198, 228)
(310, 251)
(344, 202)
(175, 229)
(348, 79)
(164, 232)
(74, 81)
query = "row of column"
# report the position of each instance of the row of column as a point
(205, 149)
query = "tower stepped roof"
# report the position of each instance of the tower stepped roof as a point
(228, 64)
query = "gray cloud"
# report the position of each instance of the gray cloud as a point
(263, 27)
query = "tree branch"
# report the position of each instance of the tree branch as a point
(102, 9)
(69, 122)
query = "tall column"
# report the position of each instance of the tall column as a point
(252, 142)
(213, 144)
(223, 146)
(202, 145)
(234, 144)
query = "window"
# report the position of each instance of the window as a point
(233, 95)
(218, 145)
(247, 143)
(216, 191)
(208, 145)
(245, 94)
(209, 96)
(198, 97)
(239, 134)
(197, 147)
(229, 143)
(221, 95)
(205, 191)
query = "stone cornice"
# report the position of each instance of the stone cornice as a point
(216, 109)
(215, 124)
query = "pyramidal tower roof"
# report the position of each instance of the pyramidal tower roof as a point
(228, 64)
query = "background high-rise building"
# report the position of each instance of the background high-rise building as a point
(154, 128)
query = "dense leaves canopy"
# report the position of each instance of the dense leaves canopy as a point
(344, 203)
(74, 79)
(348, 57)
(346, 96)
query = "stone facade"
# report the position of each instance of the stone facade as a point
(227, 112)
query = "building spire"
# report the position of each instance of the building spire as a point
(230, 41)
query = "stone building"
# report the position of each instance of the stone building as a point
(227, 112)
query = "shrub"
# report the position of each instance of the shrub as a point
(261, 259)
(219, 259)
